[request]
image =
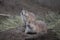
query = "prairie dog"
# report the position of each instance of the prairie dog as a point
(33, 25)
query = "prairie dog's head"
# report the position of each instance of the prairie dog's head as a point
(29, 15)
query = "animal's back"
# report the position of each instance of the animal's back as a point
(39, 26)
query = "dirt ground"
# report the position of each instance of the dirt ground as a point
(17, 34)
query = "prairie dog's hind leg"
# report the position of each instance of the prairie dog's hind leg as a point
(29, 30)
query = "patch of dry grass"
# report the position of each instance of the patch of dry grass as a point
(7, 23)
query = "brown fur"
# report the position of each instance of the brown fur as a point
(37, 26)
